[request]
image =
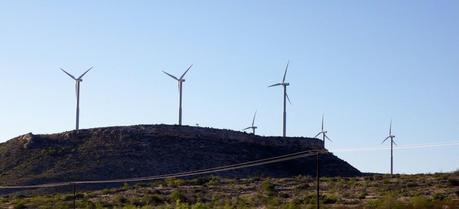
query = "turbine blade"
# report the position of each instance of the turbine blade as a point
(81, 76)
(394, 143)
(171, 75)
(288, 98)
(317, 135)
(322, 122)
(285, 73)
(328, 138)
(277, 84)
(181, 77)
(385, 140)
(390, 128)
(253, 121)
(71, 76)
(246, 128)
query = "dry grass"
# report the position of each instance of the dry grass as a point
(402, 191)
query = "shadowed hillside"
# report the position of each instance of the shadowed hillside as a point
(146, 150)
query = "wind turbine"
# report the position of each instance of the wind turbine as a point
(284, 84)
(180, 85)
(392, 142)
(323, 132)
(253, 127)
(77, 90)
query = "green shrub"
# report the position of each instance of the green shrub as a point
(174, 182)
(138, 202)
(363, 195)
(141, 185)
(148, 207)
(268, 188)
(152, 199)
(119, 200)
(68, 197)
(107, 191)
(199, 206)
(20, 205)
(176, 196)
(88, 205)
(198, 181)
(180, 205)
(291, 205)
(125, 186)
(330, 199)
(386, 181)
(412, 184)
(439, 196)
(453, 181)
(39, 200)
(214, 181)
(391, 201)
(421, 203)
(273, 202)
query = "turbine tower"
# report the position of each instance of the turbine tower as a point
(77, 90)
(180, 85)
(284, 84)
(253, 127)
(323, 132)
(392, 142)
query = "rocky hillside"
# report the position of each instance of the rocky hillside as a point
(146, 150)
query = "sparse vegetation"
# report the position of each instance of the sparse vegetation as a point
(434, 191)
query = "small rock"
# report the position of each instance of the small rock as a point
(28, 138)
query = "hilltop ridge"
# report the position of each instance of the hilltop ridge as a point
(146, 150)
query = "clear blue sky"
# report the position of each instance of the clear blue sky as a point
(359, 62)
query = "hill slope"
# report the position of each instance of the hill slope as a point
(145, 150)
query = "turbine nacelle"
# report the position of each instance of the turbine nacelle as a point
(181, 78)
(79, 79)
(390, 136)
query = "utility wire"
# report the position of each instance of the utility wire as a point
(249, 164)
(402, 147)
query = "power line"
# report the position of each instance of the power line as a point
(402, 147)
(249, 164)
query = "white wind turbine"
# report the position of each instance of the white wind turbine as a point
(77, 90)
(180, 85)
(392, 143)
(323, 132)
(286, 97)
(253, 127)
